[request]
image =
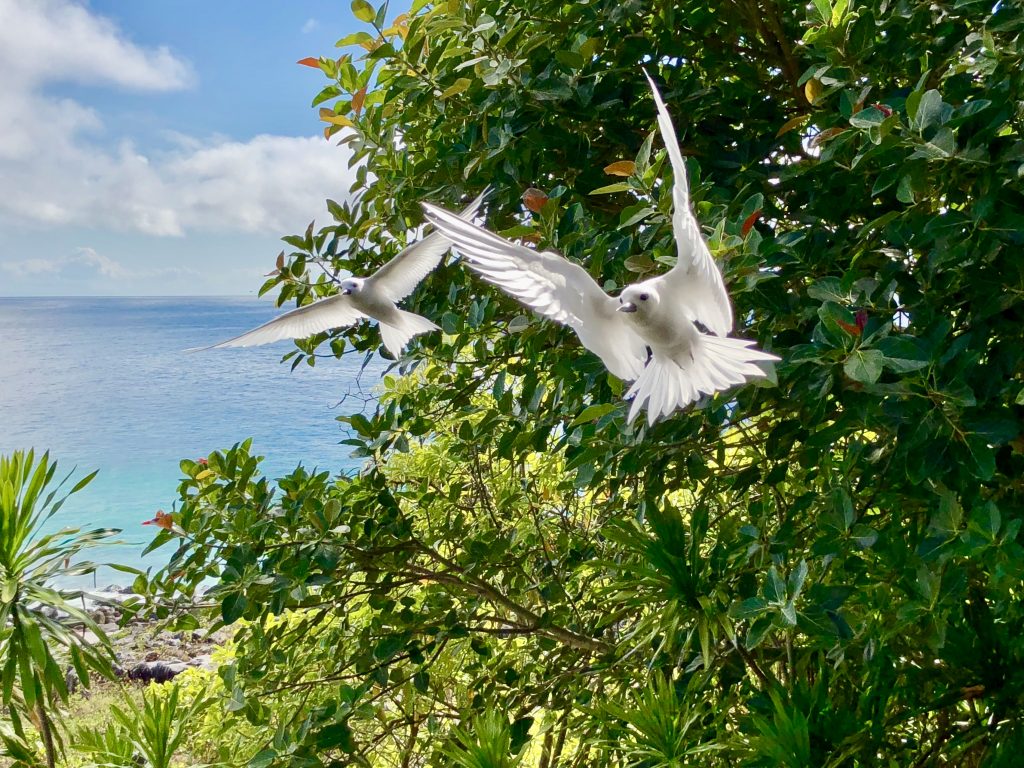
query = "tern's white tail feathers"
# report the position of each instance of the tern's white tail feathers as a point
(717, 363)
(397, 335)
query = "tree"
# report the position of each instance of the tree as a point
(36, 643)
(823, 570)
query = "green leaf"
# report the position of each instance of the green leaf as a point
(456, 88)
(864, 365)
(905, 190)
(388, 646)
(748, 608)
(620, 186)
(232, 607)
(775, 587)
(839, 321)
(518, 324)
(520, 733)
(912, 104)
(363, 11)
(838, 12)
(634, 215)
(593, 413)
(983, 458)
(929, 110)
(828, 289)
(864, 536)
(335, 735)
(902, 353)
(421, 681)
(824, 8)
(867, 118)
(262, 759)
(971, 108)
(571, 59)
(356, 38)
(797, 578)
(758, 632)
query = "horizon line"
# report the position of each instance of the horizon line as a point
(134, 296)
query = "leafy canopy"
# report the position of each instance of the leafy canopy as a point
(824, 570)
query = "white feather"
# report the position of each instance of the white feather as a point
(711, 365)
(695, 278)
(551, 285)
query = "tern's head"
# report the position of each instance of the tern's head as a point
(638, 298)
(351, 285)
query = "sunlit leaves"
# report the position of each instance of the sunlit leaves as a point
(824, 548)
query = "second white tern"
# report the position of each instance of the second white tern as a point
(374, 297)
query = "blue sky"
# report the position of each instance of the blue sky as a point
(160, 147)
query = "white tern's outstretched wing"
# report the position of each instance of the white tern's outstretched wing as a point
(551, 285)
(332, 312)
(695, 278)
(397, 279)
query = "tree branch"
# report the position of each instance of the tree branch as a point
(459, 578)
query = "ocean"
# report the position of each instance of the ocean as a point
(105, 384)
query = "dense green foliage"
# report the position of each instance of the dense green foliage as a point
(39, 618)
(822, 570)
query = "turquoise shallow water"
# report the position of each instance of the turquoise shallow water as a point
(103, 383)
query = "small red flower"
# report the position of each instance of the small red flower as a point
(201, 461)
(163, 520)
(887, 111)
(861, 318)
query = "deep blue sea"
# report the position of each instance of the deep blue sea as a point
(104, 384)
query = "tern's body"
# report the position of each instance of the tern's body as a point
(667, 331)
(374, 305)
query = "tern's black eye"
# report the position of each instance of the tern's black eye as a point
(643, 297)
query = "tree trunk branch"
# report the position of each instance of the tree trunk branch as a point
(458, 578)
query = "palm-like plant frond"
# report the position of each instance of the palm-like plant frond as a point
(40, 626)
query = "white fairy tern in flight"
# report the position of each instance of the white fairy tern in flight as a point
(374, 297)
(649, 332)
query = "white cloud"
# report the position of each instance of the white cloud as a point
(55, 169)
(269, 184)
(86, 259)
(84, 263)
(309, 26)
(57, 40)
(102, 264)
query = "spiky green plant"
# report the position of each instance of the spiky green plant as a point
(108, 747)
(149, 735)
(485, 743)
(662, 729)
(41, 629)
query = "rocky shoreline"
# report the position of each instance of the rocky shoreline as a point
(143, 650)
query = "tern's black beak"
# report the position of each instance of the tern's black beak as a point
(627, 306)
(346, 292)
